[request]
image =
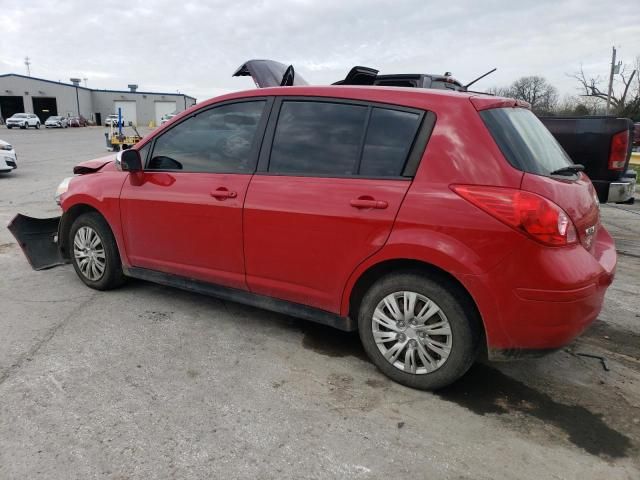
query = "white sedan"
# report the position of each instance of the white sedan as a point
(7, 157)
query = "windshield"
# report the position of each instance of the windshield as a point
(54, 118)
(525, 141)
(20, 115)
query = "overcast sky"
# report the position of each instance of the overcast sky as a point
(194, 47)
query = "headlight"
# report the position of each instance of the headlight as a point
(62, 188)
(6, 147)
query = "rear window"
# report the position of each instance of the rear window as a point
(525, 141)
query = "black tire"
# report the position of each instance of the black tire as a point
(26, 125)
(9, 127)
(463, 320)
(112, 276)
(38, 126)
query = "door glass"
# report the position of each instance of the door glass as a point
(218, 140)
(317, 138)
(388, 142)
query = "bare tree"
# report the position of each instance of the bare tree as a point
(535, 90)
(625, 96)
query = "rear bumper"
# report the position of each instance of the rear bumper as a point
(540, 299)
(618, 191)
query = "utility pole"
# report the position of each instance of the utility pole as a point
(85, 81)
(615, 68)
(27, 62)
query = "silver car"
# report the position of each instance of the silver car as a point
(56, 121)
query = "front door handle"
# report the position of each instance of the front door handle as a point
(368, 202)
(222, 193)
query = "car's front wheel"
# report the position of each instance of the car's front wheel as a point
(94, 252)
(418, 330)
(38, 126)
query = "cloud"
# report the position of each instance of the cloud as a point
(194, 47)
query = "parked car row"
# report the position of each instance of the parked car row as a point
(26, 120)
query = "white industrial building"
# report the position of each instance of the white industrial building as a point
(20, 93)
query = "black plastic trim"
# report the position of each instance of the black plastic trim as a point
(241, 296)
(419, 145)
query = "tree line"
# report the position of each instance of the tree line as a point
(591, 97)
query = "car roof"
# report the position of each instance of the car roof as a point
(424, 98)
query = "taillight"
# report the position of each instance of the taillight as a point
(536, 216)
(618, 151)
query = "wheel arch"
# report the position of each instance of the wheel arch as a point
(373, 272)
(67, 221)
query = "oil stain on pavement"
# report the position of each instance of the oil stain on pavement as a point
(485, 390)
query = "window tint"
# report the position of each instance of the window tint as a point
(218, 140)
(317, 138)
(389, 139)
(525, 141)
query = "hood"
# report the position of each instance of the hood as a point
(92, 166)
(2, 142)
(269, 73)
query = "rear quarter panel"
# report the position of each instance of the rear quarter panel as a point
(435, 225)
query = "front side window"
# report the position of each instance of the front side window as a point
(218, 140)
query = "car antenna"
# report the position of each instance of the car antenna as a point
(479, 78)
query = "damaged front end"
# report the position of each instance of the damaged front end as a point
(38, 238)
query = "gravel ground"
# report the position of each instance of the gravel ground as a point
(148, 382)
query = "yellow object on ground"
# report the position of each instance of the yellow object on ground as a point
(152, 124)
(635, 158)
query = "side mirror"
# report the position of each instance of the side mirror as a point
(129, 161)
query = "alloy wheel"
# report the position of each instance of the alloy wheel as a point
(89, 254)
(412, 332)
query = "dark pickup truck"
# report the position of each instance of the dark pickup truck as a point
(603, 145)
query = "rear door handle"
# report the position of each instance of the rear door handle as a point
(221, 193)
(368, 202)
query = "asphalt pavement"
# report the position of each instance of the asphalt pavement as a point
(148, 382)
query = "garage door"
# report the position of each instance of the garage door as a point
(163, 108)
(129, 113)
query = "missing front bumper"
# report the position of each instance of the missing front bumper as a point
(38, 238)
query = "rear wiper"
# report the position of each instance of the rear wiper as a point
(569, 170)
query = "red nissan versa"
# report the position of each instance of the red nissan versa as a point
(432, 222)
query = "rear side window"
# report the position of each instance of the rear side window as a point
(389, 138)
(338, 139)
(317, 138)
(525, 141)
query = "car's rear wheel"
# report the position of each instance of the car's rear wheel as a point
(94, 252)
(417, 330)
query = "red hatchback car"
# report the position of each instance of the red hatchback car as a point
(435, 223)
